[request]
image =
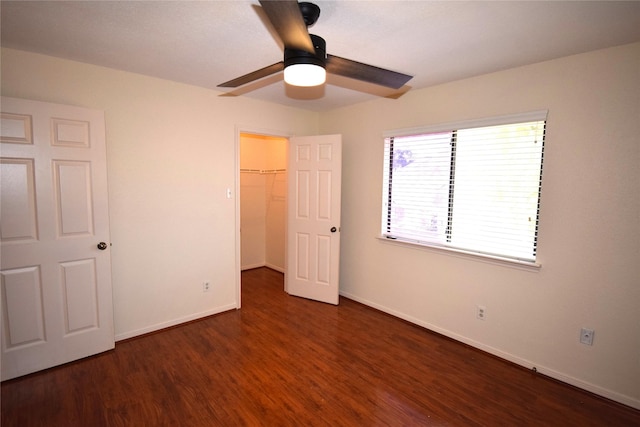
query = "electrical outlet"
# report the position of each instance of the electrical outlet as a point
(586, 336)
(206, 286)
(481, 312)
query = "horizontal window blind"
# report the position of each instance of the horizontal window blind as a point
(475, 189)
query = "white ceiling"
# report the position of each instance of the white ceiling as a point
(205, 43)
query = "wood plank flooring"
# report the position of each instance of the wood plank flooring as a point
(286, 361)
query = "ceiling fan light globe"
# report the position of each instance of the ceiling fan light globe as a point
(305, 75)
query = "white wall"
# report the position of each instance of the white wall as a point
(589, 241)
(252, 220)
(170, 150)
(276, 205)
(171, 154)
(252, 202)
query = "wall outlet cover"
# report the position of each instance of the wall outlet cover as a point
(586, 336)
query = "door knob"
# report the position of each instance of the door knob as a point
(102, 246)
(333, 229)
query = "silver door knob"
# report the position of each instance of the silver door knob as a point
(102, 246)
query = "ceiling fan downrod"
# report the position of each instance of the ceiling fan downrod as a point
(310, 13)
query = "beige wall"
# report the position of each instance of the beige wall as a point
(263, 201)
(276, 205)
(171, 154)
(589, 241)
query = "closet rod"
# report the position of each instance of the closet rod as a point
(262, 171)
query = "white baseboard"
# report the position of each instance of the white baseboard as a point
(271, 266)
(609, 394)
(251, 266)
(275, 267)
(174, 322)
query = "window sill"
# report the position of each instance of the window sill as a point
(474, 256)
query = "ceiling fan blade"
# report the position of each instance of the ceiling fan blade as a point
(366, 87)
(255, 75)
(255, 85)
(288, 22)
(368, 73)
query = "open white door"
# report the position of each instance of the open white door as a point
(313, 217)
(56, 266)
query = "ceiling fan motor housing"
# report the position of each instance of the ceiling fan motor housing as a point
(295, 56)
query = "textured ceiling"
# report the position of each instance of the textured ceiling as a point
(205, 43)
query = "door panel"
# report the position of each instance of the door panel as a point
(323, 250)
(56, 283)
(72, 181)
(80, 299)
(302, 255)
(23, 307)
(18, 209)
(314, 217)
(324, 195)
(70, 133)
(16, 128)
(302, 194)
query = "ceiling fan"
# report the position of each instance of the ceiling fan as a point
(306, 62)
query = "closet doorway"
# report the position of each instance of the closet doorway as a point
(263, 201)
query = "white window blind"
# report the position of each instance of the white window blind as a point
(475, 189)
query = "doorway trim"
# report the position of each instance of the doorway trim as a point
(240, 129)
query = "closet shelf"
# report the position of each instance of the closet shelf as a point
(262, 171)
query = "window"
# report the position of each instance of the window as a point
(472, 187)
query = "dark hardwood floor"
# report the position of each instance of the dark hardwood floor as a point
(286, 361)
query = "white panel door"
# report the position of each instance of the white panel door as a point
(313, 218)
(56, 276)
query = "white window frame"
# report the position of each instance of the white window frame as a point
(540, 115)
